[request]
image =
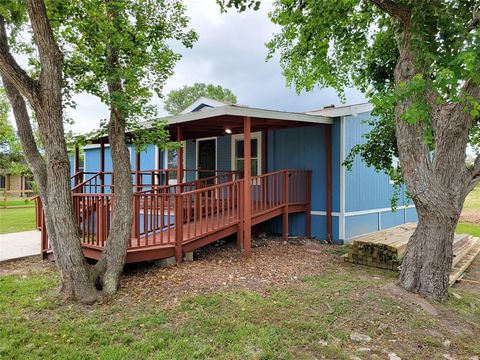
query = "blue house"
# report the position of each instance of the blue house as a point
(291, 174)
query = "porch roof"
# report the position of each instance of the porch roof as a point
(215, 121)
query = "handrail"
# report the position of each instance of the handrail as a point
(165, 217)
(85, 181)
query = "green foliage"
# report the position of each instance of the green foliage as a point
(341, 44)
(240, 5)
(139, 35)
(11, 156)
(178, 100)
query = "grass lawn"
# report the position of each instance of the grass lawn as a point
(15, 220)
(467, 228)
(310, 317)
(20, 202)
(473, 199)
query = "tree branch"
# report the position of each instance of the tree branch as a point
(472, 25)
(393, 9)
(475, 175)
(12, 71)
(25, 133)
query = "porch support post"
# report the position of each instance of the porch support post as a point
(328, 174)
(159, 167)
(179, 156)
(76, 165)
(247, 193)
(137, 168)
(102, 166)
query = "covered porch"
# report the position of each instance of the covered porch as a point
(203, 204)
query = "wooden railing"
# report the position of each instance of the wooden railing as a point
(209, 209)
(169, 215)
(104, 182)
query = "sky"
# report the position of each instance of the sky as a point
(230, 52)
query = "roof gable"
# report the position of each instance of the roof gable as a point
(203, 102)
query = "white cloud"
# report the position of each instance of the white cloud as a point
(230, 52)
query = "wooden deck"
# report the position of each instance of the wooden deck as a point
(169, 221)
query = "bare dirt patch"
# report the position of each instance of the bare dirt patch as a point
(470, 216)
(223, 268)
(25, 266)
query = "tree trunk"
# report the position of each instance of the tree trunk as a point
(428, 260)
(437, 181)
(111, 264)
(113, 258)
(52, 174)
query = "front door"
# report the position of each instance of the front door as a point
(206, 158)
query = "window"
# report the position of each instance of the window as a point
(2, 181)
(238, 159)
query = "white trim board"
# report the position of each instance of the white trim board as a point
(363, 212)
(341, 222)
(348, 110)
(374, 211)
(323, 213)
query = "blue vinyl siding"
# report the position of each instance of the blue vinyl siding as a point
(304, 148)
(390, 219)
(224, 153)
(412, 215)
(301, 148)
(364, 187)
(147, 158)
(190, 158)
(360, 224)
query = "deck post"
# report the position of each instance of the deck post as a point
(137, 168)
(159, 167)
(328, 172)
(136, 218)
(178, 226)
(285, 208)
(247, 193)
(239, 199)
(102, 166)
(76, 158)
(179, 156)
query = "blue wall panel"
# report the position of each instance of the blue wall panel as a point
(336, 165)
(190, 159)
(224, 152)
(148, 158)
(360, 224)
(412, 215)
(365, 188)
(301, 148)
(390, 219)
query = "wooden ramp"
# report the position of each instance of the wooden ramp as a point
(174, 220)
(385, 249)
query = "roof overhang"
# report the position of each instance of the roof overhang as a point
(216, 121)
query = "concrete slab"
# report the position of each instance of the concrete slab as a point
(18, 245)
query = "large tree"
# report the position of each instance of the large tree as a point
(114, 49)
(177, 100)
(419, 63)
